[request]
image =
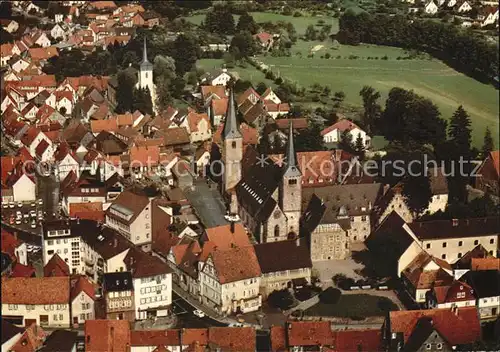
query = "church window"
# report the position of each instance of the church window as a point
(277, 231)
(146, 75)
(233, 144)
(292, 182)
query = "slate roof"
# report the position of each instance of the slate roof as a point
(60, 341)
(119, 281)
(486, 283)
(282, 255)
(256, 187)
(441, 229)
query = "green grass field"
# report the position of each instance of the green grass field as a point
(300, 23)
(432, 79)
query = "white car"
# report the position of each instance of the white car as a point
(40, 202)
(19, 204)
(18, 221)
(33, 224)
(5, 205)
(33, 204)
(199, 313)
(33, 213)
(12, 205)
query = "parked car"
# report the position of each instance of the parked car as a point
(26, 215)
(33, 204)
(12, 205)
(33, 213)
(19, 204)
(18, 221)
(33, 224)
(199, 313)
(19, 215)
(5, 205)
(40, 202)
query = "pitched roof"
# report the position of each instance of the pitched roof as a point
(41, 148)
(341, 125)
(359, 340)
(107, 335)
(219, 91)
(223, 238)
(130, 204)
(9, 243)
(37, 291)
(194, 119)
(83, 284)
(495, 157)
(56, 267)
(233, 339)
(291, 256)
(298, 123)
(310, 333)
(190, 336)
(478, 264)
(60, 341)
(144, 265)
(175, 136)
(278, 338)
(87, 210)
(250, 134)
(235, 264)
(460, 327)
(20, 270)
(440, 229)
(170, 337)
(219, 106)
(43, 53)
(263, 37)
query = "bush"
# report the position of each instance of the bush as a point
(330, 296)
(306, 292)
(270, 75)
(353, 57)
(281, 299)
(278, 80)
(339, 56)
(398, 58)
(297, 14)
(327, 55)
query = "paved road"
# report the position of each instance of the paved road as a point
(48, 191)
(185, 317)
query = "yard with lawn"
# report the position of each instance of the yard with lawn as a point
(354, 306)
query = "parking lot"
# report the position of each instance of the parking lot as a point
(25, 216)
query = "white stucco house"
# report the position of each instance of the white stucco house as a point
(431, 8)
(40, 300)
(333, 133)
(216, 78)
(83, 296)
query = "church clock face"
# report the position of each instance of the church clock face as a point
(276, 214)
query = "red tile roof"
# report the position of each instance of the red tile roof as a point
(170, 337)
(107, 335)
(233, 339)
(43, 53)
(219, 106)
(83, 284)
(20, 270)
(219, 91)
(495, 157)
(458, 328)
(278, 339)
(297, 123)
(88, 210)
(30, 136)
(341, 125)
(223, 238)
(478, 264)
(110, 125)
(359, 340)
(190, 336)
(9, 243)
(41, 148)
(37, 291)
(250, 134)
(194, 119)
(263, 37)
(235, 264)
(56, 267)
(310, 333)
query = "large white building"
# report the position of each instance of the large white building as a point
(130, 214)
(333, 133)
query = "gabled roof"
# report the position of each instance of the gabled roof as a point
(478, 264)
(83, 284)
(231, 126)
(41, 148)
(486, 283)
(233, 339)
(56, 267)
(441, 229)
(20, 270)
(170, 337)
(223, 238)
(194, 119)
(210, 91)
(235, 264)
(291, 256)
(310, 333)
(341, 125)
(128, 203)
(457, 327)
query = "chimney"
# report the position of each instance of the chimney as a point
(454, 222)
(231, 226)
(115, 242)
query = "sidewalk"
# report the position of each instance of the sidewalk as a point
(208, 311)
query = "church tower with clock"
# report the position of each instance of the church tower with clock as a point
(146, 72)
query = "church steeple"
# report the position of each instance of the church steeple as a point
(145, 54)
(291, 159)
(231, 128)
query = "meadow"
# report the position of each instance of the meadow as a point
(300, 23)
